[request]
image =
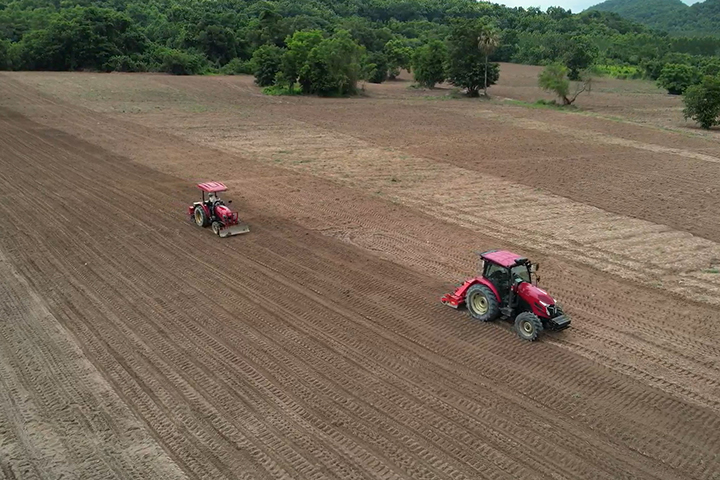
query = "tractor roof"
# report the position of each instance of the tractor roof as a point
(502, 258)
(212, 187)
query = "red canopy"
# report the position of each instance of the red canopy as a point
(212, 187)
(502, 257)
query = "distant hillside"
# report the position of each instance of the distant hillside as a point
(672, 16)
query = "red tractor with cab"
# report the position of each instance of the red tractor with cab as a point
(212, 212)
(508, 287)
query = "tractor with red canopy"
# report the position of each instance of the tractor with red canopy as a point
(212, 212)
(508, 287)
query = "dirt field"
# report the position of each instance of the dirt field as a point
(136, 346)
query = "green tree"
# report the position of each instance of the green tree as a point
(554, 78)
(676, 78)
(4, 55)
(702, 102)
(580, 54)
(299, 47)
(470, 44)
(375, 67)
(398, 57)
(428, 64)
(333, 66)
(267, 61)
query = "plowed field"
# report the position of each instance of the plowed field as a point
(134, 345)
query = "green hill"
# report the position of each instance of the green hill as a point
(672, 16)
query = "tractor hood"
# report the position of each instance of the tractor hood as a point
(537, 298)
(222, 211)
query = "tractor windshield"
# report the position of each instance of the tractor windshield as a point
(522, 272)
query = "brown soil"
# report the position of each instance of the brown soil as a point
(139, 346)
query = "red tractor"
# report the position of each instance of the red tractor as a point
(508, 287)
(214, 213)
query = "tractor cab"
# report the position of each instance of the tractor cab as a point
(506, 271)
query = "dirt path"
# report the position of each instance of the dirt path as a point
(316, 347)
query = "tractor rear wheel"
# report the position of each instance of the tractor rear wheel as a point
(216, 226)
(201, 219)
(482, 303)
(528, 326)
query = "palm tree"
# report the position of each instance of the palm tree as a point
(488, 41)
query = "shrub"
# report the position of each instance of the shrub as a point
(702, 102)
(332, 67)
(554, 78)
(237, 67)
(375, 67)
(266, 63)
(675, 78)
(125, 63)
(429, 64)
(178, 62)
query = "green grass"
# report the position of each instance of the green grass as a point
(618, 71)
(276, 91)
(715, 271)
(542, 104)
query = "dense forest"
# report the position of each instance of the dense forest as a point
(229, 36)
(672, 16)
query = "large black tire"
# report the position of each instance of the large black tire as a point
(201, 219)
(528, 326)
(482, 304)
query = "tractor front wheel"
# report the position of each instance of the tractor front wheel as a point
(528, 326)
(201, 219)
(482, 303)
(216, 227)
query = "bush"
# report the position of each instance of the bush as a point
(702, 102)
(428, 64)
(675, 78)
(278, 90)
(177, 62)
(237, 67)
(618, 71)
(266, 64)
(125, 63)
(375, 67)
(332, 67)
(554, 78)
(4, 55)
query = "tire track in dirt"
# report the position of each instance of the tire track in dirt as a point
(57, 416)
(440, 337)
(630, 248)
(419, 259)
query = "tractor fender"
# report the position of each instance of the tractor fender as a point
(462, 290)
(191, 209)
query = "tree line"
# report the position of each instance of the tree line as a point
(194, 36)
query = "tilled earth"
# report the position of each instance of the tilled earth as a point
(135, 345)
